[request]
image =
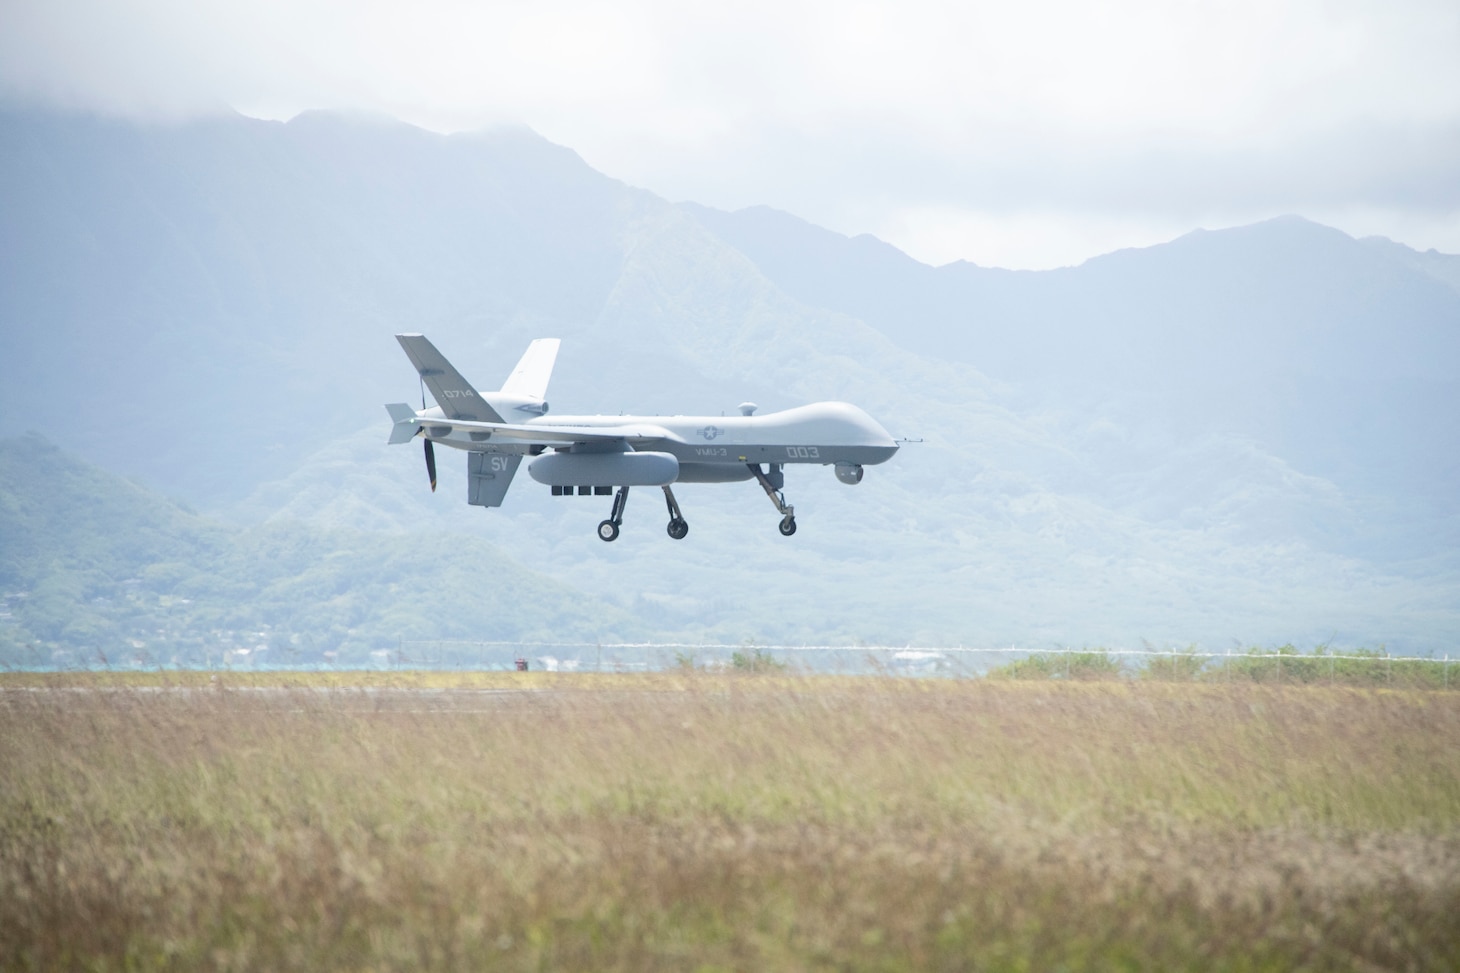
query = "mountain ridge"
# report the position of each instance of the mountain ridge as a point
(1109, 452)
(1313, 312)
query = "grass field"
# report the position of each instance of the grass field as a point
(704, 822)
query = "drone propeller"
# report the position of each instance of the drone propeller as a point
(430, 450)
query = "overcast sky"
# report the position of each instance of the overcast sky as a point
(1017, 134)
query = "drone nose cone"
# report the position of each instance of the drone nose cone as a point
(871, 429)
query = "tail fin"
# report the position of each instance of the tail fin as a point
(405, 427)
(489, 470)
(488, 475)
(454, 394)
(530, 378)
(525, 387)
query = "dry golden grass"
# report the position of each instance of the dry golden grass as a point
(712, 822)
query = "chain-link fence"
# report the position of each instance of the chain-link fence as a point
(1289, 665)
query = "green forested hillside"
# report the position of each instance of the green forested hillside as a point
(95, 569)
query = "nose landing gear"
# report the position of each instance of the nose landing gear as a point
(772, 483)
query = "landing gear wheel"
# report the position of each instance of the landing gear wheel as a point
(678, 528)
(788, 526)
(608, 531)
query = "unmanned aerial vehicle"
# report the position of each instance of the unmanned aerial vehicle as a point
(606, 455)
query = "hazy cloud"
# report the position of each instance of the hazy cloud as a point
(1019, 134)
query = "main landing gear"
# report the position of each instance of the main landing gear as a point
(608, 529)
(772, 483)
(678, 527)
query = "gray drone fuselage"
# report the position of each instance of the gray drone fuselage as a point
(706, 449)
